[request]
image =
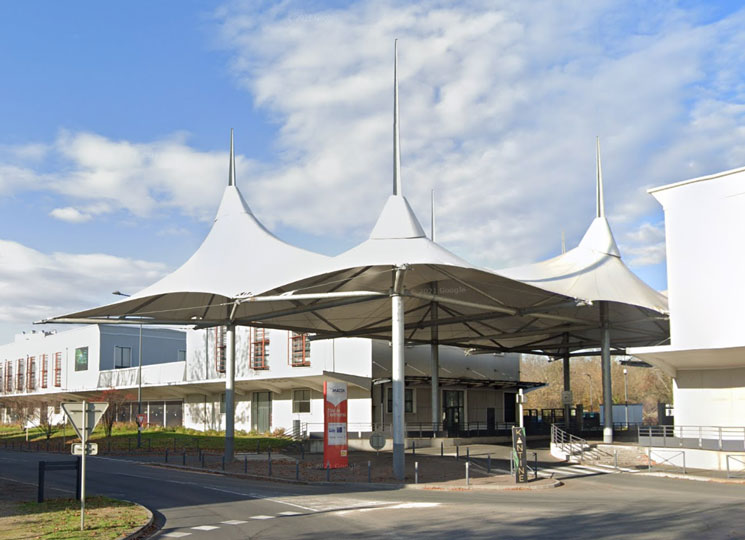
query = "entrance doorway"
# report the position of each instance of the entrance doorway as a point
(453, 408)
(509, 407)
(261, 411)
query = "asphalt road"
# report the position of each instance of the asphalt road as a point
(199, 506)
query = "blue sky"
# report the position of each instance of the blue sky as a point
(116, 118)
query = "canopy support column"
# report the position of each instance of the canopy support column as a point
(567, 382)
(605, 364)
(435, 369)
(397, 379)
(230, 394)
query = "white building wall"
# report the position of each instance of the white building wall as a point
(705, 227)
(710, 397)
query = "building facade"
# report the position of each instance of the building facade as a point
(279, 379)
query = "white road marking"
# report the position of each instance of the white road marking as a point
(234, 522)
(290, 514)
(402, 506)
(176, 534)
(205, 528)
(262, 517)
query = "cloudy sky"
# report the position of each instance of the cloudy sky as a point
(115, 119)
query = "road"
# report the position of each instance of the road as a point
(197, 506)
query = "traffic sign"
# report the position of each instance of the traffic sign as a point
(141, 419)
(377, 440)
(94, 412)
(566, 397)
(77, 449)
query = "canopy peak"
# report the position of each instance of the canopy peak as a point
(231, 174)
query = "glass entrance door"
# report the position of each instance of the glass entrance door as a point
(261, 411)
(453, 409)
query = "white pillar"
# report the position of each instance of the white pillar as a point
(605, 364)
(397, 361)
(230, 394)
(435, 370)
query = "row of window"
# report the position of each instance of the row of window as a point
(25, 373)
(258, 348)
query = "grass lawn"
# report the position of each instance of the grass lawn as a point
(124, 438)
(60, 519)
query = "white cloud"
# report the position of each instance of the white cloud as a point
(499, 109)
(36, 285)
(70, 214)
(644, 246)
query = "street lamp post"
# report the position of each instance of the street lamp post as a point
(590, 379)
(626, 394)
(139, 382)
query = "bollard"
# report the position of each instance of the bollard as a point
(270, 463)
(615, 458)
(442, 448)
(488, 463)
(223, 463)
(166, 455)
(369, 473)
(457, 452)
(416, 472)
(413, 448)
(302, 452)
(183, 458)
(468, 453)
(468, 479)
(245, 464)
(297, 470)
(328, 471)
(535, 465)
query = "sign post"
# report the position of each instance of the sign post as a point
(519, 454)
(84, 417)
(335, 423)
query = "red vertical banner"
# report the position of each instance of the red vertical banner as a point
(335, 424)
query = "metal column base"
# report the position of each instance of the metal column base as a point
(607, 435)
(398, 461)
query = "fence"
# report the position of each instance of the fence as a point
(414, 429)
(728, 439)
(737, 462)
(655, 455)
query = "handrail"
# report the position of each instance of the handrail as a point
(667, 460)
(570, 444)
(718, 437)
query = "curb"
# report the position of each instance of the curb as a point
(696, 478)
(361, 485)
(137, 534)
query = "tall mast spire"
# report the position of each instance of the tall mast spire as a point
(599, 204)
(231, 174)
(396, 145)
(432, 224)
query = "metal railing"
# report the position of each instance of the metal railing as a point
(570, 444)
(668, 460)
(729, 439)
(416, 429)
(740, 473)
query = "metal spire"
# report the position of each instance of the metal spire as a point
(231, 174)
(599, 204)
(432, 224)
(396, 145)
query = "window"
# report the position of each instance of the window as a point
(44, 370)
(301, 401)
(8, 376)
(58, 369)
(299, 349)
(259, 348)
(122, 357)
(19, 375)
(220, 348)
(408, 400)
(81, 359)
(30, 373)
(181, 356)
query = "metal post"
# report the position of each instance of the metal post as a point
(488, 463)
(82, 466)
(230, 394)
(245, 464)
(615, 458)
(468, 453)
(457, 452)
(183, 459)
(166, 455)
(626, 395)
(442, 448)
(468, 479)
(139, 392)
(223, 465)
(416, 472)
(567, 382)
(435, 366)
(397, 352)
(413, 448)
(297, 469)
(535, 465)
(607, 387)
(328, 472)
(369, 472)
(520, 400)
